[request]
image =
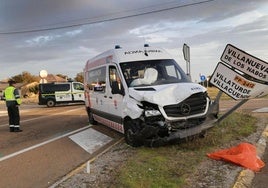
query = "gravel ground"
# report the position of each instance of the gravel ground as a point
(102, 169)
(220, 174)
(211, 173)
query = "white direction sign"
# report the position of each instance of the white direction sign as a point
(235, 85)
(245, 62)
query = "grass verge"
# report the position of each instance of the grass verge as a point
(172, 165)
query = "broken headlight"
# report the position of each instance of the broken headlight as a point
(150, 113)
(150, 109)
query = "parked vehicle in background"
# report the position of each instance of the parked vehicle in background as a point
(144, 94)
(51, 94)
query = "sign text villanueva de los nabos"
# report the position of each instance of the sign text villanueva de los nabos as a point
(245, 62)
(235, 84)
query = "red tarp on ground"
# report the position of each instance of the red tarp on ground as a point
(243, 154)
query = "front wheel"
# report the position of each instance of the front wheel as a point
(131, 131)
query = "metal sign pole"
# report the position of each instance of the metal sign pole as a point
(232, 110)
(186, 54)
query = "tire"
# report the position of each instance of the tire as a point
(130, 137)
(51, 103)
(91, 119)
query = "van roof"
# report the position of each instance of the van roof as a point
(119, 55)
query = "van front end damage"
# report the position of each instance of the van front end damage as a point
(159, 125)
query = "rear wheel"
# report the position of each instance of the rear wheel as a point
(50, 103)
(90, 117)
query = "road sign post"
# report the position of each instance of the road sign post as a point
(235, 85)
(186, 54)
(246, 63)
(241, 76)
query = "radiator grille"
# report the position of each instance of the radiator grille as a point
(195, 104)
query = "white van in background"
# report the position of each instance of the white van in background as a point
(54, 93)
(144, 94)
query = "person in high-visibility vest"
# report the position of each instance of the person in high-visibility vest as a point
(13, 100)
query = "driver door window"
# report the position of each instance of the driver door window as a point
(115, 81)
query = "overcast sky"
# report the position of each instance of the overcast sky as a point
(29, 42)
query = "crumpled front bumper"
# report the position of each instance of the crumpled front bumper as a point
(177, 135)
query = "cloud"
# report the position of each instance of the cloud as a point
(206, 28)
(73, 33)
(44, 39)
(40, 40)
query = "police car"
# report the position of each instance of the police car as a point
(51, 94)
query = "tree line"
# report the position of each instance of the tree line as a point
(26, 77)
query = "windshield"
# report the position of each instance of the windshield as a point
(152, 72)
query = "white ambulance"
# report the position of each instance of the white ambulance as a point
(144, 94)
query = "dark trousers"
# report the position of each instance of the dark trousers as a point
(14, 115)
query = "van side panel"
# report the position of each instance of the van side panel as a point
(78, 92)
(63, 92)
(98, 92)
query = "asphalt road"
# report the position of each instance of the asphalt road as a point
(43, 153)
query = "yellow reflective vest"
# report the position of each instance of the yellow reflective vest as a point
(10, 96)
(9, 93)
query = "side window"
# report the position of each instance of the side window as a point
(173, 72)
(52, 88)
(56, 88)
(97, 79)
(115, 81)
(78, 86)
(62, 87)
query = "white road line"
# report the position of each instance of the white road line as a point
(90, 140)
(3, 125)
(260, 110)
(41, 144)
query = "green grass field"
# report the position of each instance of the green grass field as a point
(172, 165)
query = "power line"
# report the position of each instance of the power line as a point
(103, 20)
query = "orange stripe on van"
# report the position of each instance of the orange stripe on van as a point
(116, 126)
(102, 61)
